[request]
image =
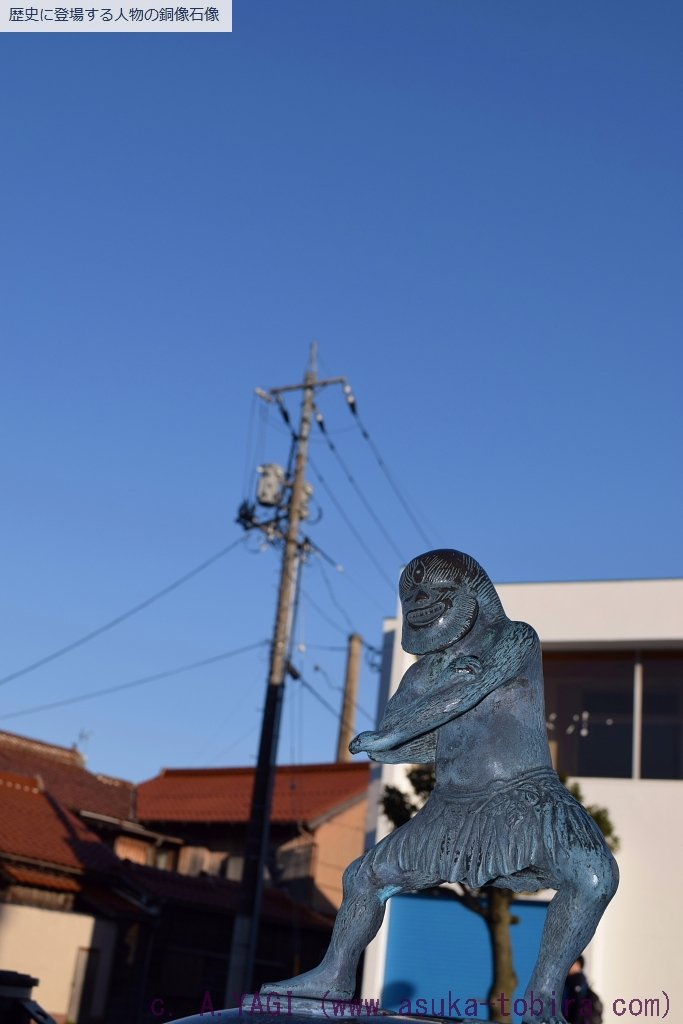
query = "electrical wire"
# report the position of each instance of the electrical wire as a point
(369, 648)
(321, 611)
(342, 571)
(321, 700)
(137, 682)
(340, 689)
(333, 598)
(340, 508)
(301, 590)
(352, 480)
(224, 750)
(342, 512)
(248, 448)
(351, 402)
(215, 739)
(122, 618)
(308, 543)
(325, 647)
(294, 702)
(262, 436)
(330, 588)
(381, 607)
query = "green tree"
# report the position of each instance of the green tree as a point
(493, 905)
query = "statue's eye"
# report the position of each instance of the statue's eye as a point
(418, 573)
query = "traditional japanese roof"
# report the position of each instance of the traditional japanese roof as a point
(38, 879)
(64, 773)
(36, 827)
(44, 845)
(220, 894)
(303, 793)
(113, 902)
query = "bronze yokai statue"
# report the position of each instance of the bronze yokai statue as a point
(473, 703)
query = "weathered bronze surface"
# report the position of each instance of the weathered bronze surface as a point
(473, 703)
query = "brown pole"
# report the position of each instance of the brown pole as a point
(246, 925)
(347, 725)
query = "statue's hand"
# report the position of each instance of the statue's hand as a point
(369, 742)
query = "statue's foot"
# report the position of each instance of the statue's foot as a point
(316, 984)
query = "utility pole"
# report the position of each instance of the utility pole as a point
(348, 715)
(247, 919)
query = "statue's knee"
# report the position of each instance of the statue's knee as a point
(600, 881)
(362, 875)
(611, 878)
(350, 878)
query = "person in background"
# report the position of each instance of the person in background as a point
(580, 1004)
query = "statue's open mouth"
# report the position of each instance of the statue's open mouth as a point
(425, 616)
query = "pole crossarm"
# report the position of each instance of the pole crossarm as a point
(301, 387)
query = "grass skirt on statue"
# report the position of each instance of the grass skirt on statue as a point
(511, 834)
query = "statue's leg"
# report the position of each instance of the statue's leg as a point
(586, 881)
(368, 884)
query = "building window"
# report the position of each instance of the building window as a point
(589, 707)
(591, 700)
(136, 850)
(662, 736)
(166, 859)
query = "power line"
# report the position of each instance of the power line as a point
(351, 402)
(337, 504)
(342, 512)
(333, 598)
(235, 743)
(370, 648)
(248, 461)
(321, 611)
(321, 700)
(121, 618)
(220, 724)
(137, 682)
(321, 647)
(352, 480)
(383, 466)
(381, 607)
(342, 571)
(326, 676)
(308, 543)
(340, 689)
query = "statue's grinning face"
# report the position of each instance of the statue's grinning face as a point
(437, 610)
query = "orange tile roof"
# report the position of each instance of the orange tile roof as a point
(41, 879)
(65, 775)
(303, 793)
(33, 824)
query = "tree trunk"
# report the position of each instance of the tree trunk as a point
(504, 983)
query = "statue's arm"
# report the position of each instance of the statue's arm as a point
(417, 751)
(468, 681)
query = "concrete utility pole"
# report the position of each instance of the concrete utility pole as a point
(246, 926)
(348, 717)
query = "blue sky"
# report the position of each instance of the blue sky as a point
(475, 208)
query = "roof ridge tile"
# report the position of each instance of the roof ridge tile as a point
(68, 754)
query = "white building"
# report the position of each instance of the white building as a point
(613, 665)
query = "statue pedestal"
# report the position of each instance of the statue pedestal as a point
(305, 1011)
